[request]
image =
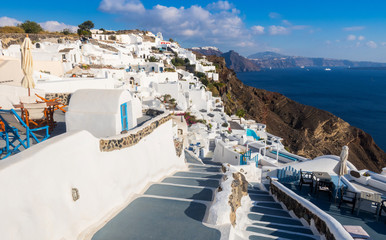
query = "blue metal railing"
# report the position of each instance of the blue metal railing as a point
(288, 174)
(244, 158)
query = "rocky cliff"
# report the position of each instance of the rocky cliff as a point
(275, 60)
(239, 63)
(8, 39)
(307, 131)
(233, 60)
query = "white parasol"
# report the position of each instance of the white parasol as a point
(342, 165)
(27, 64)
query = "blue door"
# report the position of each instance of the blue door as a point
(124, 117)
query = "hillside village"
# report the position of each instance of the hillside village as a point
(138, 110)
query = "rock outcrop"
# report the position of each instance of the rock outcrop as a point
(307, 131)
(233, 60)
(239, 190)
(8, 39)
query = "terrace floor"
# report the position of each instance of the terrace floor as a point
(367, 220)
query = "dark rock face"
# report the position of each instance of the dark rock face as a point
(239, 63)
(233, 59)
(307, 131)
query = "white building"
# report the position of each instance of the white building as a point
(103, 113)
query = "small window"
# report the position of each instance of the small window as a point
(37, 45)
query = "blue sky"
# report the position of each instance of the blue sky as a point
(336, 29)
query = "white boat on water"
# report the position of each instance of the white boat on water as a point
(327, 69)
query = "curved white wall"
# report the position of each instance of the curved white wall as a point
(36, 184)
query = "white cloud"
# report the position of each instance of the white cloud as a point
(278, 30)
(218, 23)
(220, 5)
(245, 44)
(353, 28)
(124, 6)
(55, 26)
(286, 22)
(274, 15)
(351, 37)
(299, 27)
(361, 38)
(257, 29)
(371, 44)
(7, 21)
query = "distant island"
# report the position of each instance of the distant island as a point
(255, 62)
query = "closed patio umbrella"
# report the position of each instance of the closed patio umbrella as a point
(27, 64)
(342, 165)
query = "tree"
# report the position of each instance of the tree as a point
(240, 113)
(85, 27)
(30, 27)
(66, 31)
(153, 59)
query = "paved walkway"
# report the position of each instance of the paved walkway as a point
(172, 209)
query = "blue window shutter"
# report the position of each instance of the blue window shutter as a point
(124, 117)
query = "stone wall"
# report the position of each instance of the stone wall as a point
(130, 139)
(179, 147)
(239, 190)
(302, 212)
(63, 98)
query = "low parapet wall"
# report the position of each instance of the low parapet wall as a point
(324, 223)
(133, 136)
(66, 188)
(63, 98)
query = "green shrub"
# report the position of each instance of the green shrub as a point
(30, 27)
(153, 59)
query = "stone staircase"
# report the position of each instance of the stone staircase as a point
(270, 221)
(171, 209)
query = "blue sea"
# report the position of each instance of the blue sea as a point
(356, 96)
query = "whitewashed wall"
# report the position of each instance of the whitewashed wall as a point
(225, 155)
(70, 85)
(36, 184)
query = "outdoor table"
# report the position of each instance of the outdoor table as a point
(322, 176)
(50, 113)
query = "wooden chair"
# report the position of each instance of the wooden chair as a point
(28, 99)
(382, 208)
(323, 186)
(347, 196)
(2, 127)
(35, 114)
(306, 178)
(57, 107)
